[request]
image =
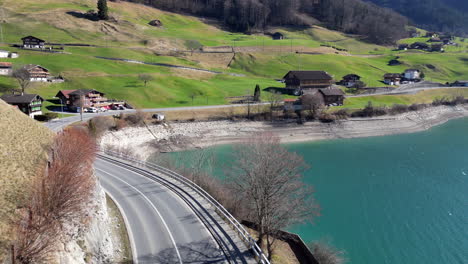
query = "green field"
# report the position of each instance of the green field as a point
(260, 60)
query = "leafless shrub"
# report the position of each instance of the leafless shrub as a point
(417, 107)
(23, 77)
(267, 179)
(312, 106)
(342, 113)
(370, 111)
(440, 101)
(325, 254)
(398, 109)
(99, 125)
(61, 194)
(136, 119)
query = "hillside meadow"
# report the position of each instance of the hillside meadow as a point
(258, 59)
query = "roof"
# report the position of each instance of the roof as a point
(290, 100)
(408, 70)
(6, 64)
(461, 81)
(310, 75)
(32, 66)
(65, 93)
(19, 99)
(83, 92)
(40, 40)
(331, 91)
(4, 51)
(392, 75)
(351, 76)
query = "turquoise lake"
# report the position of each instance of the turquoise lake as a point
(394, 199)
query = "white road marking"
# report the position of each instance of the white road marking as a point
(154, 207)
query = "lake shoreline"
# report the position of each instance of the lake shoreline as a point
(174, 137)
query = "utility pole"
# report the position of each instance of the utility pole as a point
(81, 106)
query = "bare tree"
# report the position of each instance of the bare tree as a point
(61, 195)
(268, 179)
(312, 104)
(23, 77)
(145, 78)
(275, 100)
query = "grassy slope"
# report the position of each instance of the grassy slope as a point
(132, 38)
(22, 146)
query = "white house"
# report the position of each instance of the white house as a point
(4, 54)
(14, 55)
(6, 68)
(412, 74)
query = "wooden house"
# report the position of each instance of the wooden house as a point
(437, 47)
(29, 104)
(392, 78)
(31, 42)
(301, 80)
(420, 46)
(435, 40)
(277, 36)
(350, 80)
(6, 68)
(91, 98)
(403, 46)
(37, 73)
(332, 96)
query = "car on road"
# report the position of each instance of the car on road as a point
(91, 110)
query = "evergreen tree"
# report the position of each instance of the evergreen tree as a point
(103, 11)
(257, 93)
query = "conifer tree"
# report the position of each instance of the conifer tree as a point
(257, 93)
(103, 11)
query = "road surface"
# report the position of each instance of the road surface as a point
(162, 228)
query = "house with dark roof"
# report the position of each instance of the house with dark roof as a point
(29, 104)
(301, 80)
(277, 36)
(31, 42)
(74, 99)
(392, 78)
(332, 96)
(6, 68)
(37, 73)
(350, 80)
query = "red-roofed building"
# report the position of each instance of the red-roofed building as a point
(6, 68)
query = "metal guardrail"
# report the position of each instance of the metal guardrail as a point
(249, 240)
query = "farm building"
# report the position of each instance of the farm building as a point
(412, 74)
(29, 104)
(308, 80)
(37, 73)
(31, 42)
(350, 80)
(6, 68)
(277, 36)
(392, 78)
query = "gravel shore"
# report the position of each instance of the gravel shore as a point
(182, 136)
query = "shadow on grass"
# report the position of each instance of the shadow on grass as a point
(89, 16)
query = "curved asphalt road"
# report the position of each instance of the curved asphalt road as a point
(162, 228)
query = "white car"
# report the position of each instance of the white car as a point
(91, 110)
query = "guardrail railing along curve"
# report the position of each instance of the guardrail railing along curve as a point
(249, 240)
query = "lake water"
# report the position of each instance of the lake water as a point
(393, 199)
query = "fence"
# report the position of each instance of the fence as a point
(245, 236)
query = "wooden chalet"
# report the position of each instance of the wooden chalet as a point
(37, 73)
(420, 46)
(434, 40)
(392, 78)
(277, 36)
(437, 47)
(350, 80)
(308, 80)
(403, 46)
(29, 104)
(6, 68)
(332, 96)
(91, 98)
(412, 74)
(31, 42)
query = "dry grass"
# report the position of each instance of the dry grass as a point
(283, 252)
(23, 145)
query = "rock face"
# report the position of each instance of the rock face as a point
(156, 23)
(90, 243)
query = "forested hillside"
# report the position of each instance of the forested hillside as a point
(438, 15)
(377, 25)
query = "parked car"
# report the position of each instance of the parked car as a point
(91, 110)
(103, 109)
(121, 107)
